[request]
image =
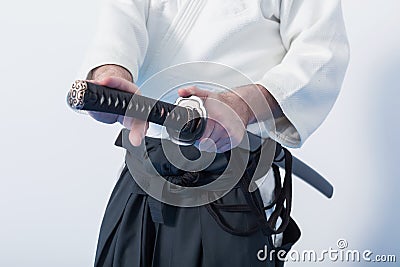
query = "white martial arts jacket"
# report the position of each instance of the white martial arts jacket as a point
(296, 49)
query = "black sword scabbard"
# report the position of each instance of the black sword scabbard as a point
(183, 123)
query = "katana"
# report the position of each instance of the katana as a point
(310, 176)
(185, 120)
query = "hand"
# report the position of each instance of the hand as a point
(227, 118)
(117, 77)
(138, 127)
(100, 73)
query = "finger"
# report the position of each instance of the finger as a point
(236, 138)
(207, 145)
(120, 84)
(138, 131)
(209, 129)
(219, 133)
(215, 139)
(126, 121)
(206, 142)
(223, 142)
(193, 90)
(224, 148)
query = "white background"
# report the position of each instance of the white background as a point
(57, 168)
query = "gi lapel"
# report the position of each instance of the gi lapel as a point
(175, 36)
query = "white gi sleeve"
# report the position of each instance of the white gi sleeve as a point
(307, 81)
(121, 37)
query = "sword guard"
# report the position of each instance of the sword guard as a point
(196, 125)
(192, 102)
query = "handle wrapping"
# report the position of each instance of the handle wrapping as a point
(183, 123)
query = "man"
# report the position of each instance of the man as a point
(296, 53)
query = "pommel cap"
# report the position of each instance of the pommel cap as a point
(76, 94)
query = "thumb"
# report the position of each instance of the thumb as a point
(119, 83)
(193, 90)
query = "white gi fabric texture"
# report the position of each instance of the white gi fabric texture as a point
(296, 49)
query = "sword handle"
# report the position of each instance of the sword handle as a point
(184, 124)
